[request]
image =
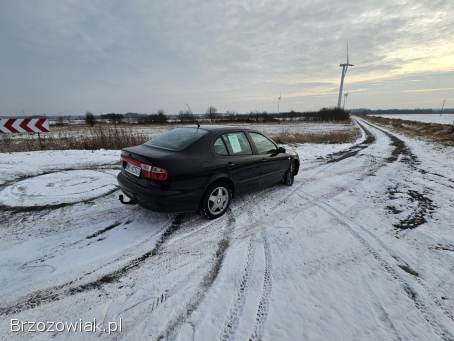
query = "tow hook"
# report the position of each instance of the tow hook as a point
(122, 200)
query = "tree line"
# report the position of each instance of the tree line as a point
(213, 116)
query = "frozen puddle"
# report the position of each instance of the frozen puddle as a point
(64, 187)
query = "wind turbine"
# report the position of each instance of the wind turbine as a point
(278, 103)
(345, 100)
(344, 72)
(442, 107)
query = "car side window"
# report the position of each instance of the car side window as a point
(219, 147)
(262, 143)
(237, 144)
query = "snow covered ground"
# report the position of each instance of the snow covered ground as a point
(427, 118)
(360, 247)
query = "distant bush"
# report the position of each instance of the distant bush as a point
(333, 114)
(90, 119)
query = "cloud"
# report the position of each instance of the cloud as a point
(138, 55)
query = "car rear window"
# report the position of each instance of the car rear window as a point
(219, 147)
(177, 139)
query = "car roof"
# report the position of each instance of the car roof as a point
(225, 129)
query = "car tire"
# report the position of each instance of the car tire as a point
(289, 176)
(216, 200)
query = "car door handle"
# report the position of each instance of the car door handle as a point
(230, 164)
(264, 160)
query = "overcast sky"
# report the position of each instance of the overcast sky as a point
(139, 56)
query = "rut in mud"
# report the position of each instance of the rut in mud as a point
(354, 150)
(423, 205)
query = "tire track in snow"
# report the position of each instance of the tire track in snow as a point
(231, 322)
(418, 301)
(383, 314)
(339, 215)
(353, 150)
(35, 208)
(207, 281)
(262, 309)
(56, 293)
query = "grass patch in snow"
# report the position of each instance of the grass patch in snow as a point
(442, 133)
(99, 137)
(329, 137)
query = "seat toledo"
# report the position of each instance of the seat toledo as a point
(201, 169)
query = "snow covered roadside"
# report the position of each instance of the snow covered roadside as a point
(17, 165)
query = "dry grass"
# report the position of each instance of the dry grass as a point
(441, 133)
(328, 138)
(94, 138)
(118, 137)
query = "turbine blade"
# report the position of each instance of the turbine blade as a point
(347, 53)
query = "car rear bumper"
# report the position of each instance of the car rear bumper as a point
(161, 200)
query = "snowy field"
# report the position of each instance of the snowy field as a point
(361, 247)
(427, 118)
(153, 130)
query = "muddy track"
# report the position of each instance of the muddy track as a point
(232, 320)
(418, 301)
(262, 309)
(425, 206)
(59, 292)
(444, 247)
(354, 150)
(106, 229)
(400, 148)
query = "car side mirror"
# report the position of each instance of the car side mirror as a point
(280, 150)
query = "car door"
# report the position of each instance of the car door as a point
(273, 164)
(243, 165)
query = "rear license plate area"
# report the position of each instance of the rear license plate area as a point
(131, 169)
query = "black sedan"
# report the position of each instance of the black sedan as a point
(201, 169)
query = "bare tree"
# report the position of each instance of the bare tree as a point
(211, 113)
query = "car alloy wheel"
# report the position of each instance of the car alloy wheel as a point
(216, 200)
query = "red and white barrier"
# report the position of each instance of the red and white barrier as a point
(24, 125)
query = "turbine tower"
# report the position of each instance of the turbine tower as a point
(344, 72)
(345, 100)
(279, 99)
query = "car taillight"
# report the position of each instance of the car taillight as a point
(158, 173)
(148, 171)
